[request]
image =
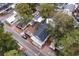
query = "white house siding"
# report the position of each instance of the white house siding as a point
(37, 42)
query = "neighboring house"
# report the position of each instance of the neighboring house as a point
(12, 19)
(60, 7)
(76, 5)
(22, 25)
(37, 17)
(75, 23)
(75, 15)
(69, 8)
(4, 7)
(66, 8)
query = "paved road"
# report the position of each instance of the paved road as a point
(24, 43)
(32, 50)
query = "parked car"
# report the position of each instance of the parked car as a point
(25, 36)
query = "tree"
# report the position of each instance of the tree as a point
(24, 10)
(70, 42)
(33, 6)
(47, 10)
(6, 42)
(63, 23)
(13, 53)
(64, 18)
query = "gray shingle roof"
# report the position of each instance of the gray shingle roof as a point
(71, 7)
(4, 6)
(41, 33)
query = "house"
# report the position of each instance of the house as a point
(37, 33)
(12, 19)
(22, 25)
(37, 17)
(75, 15)
(76, 5)
(40, 36)
(69, 8)
(66, 8)
(76, 11)
(4, 7)
(60, 6)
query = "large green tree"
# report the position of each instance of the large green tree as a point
(6, 42)
(12, 53)
(47, 10)
(33, 6)
(24, 10)
(68, 37)
(63, 23)
(70, 42)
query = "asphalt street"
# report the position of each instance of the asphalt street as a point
(32, 50)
